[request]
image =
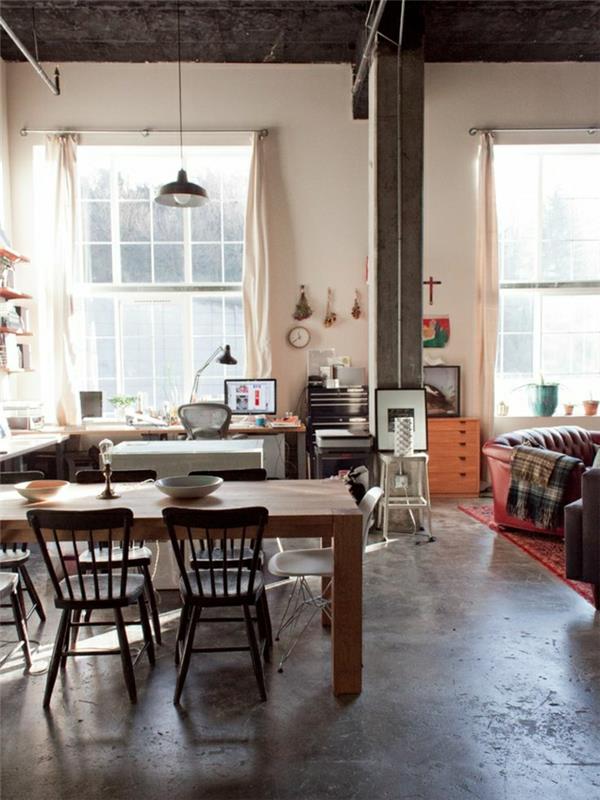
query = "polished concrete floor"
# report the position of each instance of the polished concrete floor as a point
(481, 680)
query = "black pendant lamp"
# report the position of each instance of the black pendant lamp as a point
(181, 193)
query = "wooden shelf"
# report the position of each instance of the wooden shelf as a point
(13, 294)
(13, 256)
(8, 371)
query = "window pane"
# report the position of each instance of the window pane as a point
(168, 263)
(95, 184)
(235, 179)
(233, 222)
(133, 185)
(96, 221)
(518, 260)
(97, 261)
(207, 315)
(517, 353)
(206, 263)
(571, 312)
(556, 260)
(206, 171)
(233, 255)
(586, 261)
(206, 223)
(134, 219)
(204, 347)
(517, 312)
(135, 263)
(234, 317)
(168, 223)
(100, 316)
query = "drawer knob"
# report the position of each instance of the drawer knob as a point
(462, 444)
(462, 458)
(463, 474)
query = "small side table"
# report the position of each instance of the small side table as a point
(413, 495)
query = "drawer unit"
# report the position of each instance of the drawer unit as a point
(454, 449)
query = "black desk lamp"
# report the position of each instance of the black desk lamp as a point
(225, 358)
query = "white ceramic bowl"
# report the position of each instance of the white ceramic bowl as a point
(34, 491)
(182, 486)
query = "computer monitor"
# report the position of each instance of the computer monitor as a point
(245, 396)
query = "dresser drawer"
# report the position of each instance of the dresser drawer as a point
(451, 462)
(464, 482)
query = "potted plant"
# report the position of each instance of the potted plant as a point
(121, 403)
(542, 397)
(590, 407)
(568, 408)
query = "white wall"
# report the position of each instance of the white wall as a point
(458, 97)
(316, 161)
(4, 161)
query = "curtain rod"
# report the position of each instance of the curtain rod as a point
(262, 132)
(591, 130)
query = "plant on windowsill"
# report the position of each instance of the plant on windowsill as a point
(121, 403)
(590, 406)
(542, 397)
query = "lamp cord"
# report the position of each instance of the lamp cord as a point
(179, 76)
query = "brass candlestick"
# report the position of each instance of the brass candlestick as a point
(107, 493)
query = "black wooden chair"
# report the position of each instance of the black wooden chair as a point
(224, 582)
(10, 589)
(248, 474)
(140, 556)
(114, 589)
(14, 556)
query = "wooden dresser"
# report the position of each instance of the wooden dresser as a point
(454, 449)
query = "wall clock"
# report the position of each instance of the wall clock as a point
(298, 336)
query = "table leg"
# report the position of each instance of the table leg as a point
(325, 586)
(301, 454)
(61, 472)
(346, 634)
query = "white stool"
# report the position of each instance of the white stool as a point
(411, 493)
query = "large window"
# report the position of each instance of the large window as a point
(549, 263)
(160, 286)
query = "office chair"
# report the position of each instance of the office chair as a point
(205, 420)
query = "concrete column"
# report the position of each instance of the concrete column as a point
(396, 187)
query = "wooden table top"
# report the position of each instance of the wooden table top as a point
(296, 508)
(122, 427)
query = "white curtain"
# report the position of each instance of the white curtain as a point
(487, 285)
(255, 287)
(61, 389)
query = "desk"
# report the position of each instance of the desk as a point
(322, 509)
(20, 445)
(182, 456)
(120, 430)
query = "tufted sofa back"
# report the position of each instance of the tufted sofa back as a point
(568, 439)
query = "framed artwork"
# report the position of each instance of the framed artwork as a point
(392, 403)
(436, 331)
(442, 388)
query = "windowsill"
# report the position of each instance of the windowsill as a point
(513, 423)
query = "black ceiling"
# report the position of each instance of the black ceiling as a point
(298, 31)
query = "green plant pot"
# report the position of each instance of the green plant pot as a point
(543, 398)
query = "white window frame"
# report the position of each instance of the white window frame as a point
(180, 292)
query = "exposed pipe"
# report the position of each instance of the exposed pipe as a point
(366, 53)
(54, 86)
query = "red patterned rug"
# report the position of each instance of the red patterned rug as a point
(548, 550)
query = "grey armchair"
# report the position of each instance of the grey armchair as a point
(582, 534)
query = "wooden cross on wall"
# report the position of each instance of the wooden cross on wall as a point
(431, 283)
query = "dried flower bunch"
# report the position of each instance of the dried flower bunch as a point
(303, 309)
(356, 308)
(330, 315)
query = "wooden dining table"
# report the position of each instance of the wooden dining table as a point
(297, 509)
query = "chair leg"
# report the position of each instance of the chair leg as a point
(146, 629)
(255, 653)
(187, 653)
(63, 628)
(35, 599)
(149, 588)
(125, 655)
(75, 628)
(183, 623)
(264, 625)
(21, 627)
(596, 593)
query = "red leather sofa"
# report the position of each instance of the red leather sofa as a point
(571, 440)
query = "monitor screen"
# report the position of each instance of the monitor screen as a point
(251, 396)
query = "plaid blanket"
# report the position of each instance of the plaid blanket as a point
(538, 479)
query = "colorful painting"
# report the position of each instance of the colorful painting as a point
(436, 331)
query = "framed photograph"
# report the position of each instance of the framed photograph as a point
(392, 403)
(442, 388)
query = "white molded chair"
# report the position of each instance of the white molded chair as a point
(316, 563)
